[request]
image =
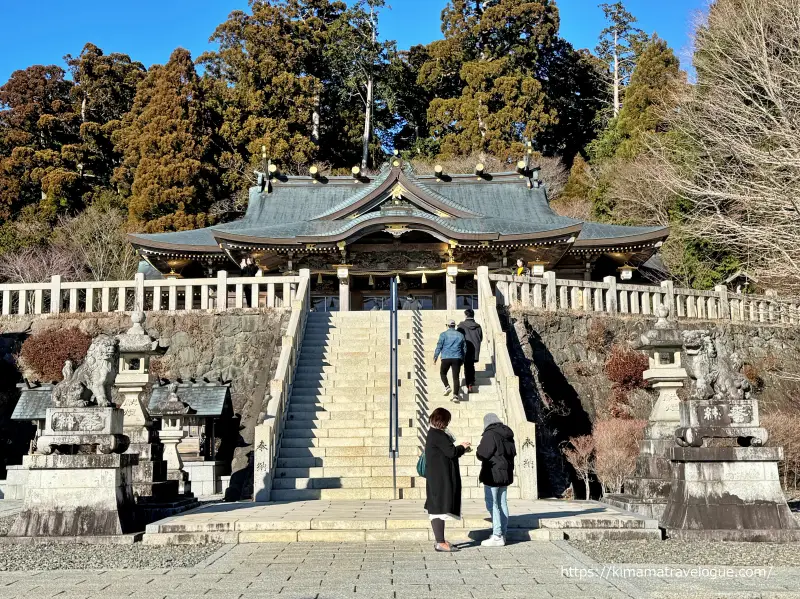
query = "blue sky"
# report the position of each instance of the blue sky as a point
(43, 31)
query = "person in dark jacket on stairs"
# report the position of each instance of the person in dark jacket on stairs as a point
(442, 477)
(496, 452)
(473, 334)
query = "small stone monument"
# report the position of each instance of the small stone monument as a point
(647, 492)
(174, 413)
(726, 484)
(79, 481)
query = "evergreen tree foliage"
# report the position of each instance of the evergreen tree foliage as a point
(357, 59)
(168, 143)
(483, 74)
(406, 99)
(270, 78)
(38, 128)
(574, 88)
(103, 92)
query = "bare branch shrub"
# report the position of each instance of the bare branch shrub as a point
(598, 337)
(38, 264)
(784, 431)
(616, 446)
(733, 154)
(96, 238)
(579, 454)
(624, 368)
(43, 354)
(579, 208)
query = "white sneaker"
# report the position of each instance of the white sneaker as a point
(494, 541)
(447, 391)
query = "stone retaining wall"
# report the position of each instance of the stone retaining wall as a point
(560, 360)
(239, 346)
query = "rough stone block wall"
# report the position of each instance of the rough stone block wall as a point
(240, 346)
(560, 359)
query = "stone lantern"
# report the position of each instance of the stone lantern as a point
(647, 492)
(136, 348)
(174, 414)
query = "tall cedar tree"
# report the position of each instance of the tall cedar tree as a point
(574, 86)
(619, 47)
(37, 128)
(656, 74)
(484, 75)
(356, 58)
(105, 86)
(167, 141)
(406, 99)
(271, 77)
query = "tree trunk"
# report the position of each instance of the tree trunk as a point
(315, 120)
(616, 76)
(367, 124)
(83, 109)
(586, 482)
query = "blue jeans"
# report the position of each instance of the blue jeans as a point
(497, 505)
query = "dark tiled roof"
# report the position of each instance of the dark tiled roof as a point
(297, 207)
(33, 403)
(206, 400)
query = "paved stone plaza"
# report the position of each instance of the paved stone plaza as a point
(378, 570)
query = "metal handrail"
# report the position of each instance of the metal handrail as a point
(394, 380)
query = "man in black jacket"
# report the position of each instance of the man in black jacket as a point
(496, 452)
(473, 333)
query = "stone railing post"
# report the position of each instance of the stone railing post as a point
(724, 312)
(343, 274)
(55, 294)
(222, 291)
(138, 292)
(669, 297)
(551, 294)
(611, 295)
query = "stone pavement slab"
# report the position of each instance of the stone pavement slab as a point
(545, 570)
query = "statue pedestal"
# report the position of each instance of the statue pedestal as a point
(86, 491)
(76, 495)
(728, 494)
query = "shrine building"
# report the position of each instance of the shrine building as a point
(432, 231)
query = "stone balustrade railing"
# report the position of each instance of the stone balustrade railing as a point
(269, 432)
(612, 297)
(220, 293)
(508, 387)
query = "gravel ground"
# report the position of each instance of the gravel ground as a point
(691, 552)
(96, 557)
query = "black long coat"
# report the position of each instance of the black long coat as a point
(442, 474)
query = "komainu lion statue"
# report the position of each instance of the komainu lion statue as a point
(92, 381)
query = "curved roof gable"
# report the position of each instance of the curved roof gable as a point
(413, 190)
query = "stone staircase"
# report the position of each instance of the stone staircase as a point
(335, 444)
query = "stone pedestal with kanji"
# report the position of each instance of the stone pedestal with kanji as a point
(726, 484)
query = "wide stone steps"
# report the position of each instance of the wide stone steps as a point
(336, 438)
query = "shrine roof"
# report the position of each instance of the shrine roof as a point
(33, 402)
(206, 400)
(493, 207)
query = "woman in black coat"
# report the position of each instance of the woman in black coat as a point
(442, 476)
